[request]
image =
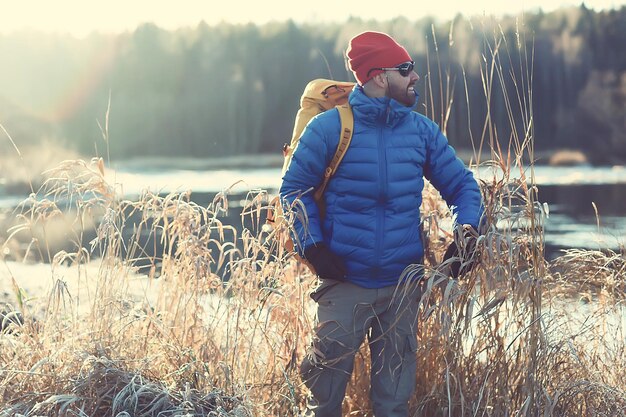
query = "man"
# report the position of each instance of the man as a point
(370, 231)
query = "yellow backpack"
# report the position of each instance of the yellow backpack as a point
(319, 96)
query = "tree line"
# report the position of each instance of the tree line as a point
(213, 91)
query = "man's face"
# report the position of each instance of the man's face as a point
(402, 88)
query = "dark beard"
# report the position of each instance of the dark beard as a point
(401, 96)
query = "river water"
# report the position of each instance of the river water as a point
(570, 194)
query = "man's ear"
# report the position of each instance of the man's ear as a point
(380, 80)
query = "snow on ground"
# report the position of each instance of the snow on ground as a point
(79, 284)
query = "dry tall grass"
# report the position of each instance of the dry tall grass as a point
(506, 340)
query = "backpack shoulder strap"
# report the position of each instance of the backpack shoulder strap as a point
(345, 137)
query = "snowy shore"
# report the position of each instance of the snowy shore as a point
(35, 283)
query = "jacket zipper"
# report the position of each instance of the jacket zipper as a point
(382, 196)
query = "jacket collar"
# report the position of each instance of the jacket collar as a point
(377, 110)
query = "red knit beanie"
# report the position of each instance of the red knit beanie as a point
(369, 50)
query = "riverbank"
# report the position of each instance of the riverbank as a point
(229, 311)
(29, 287)
(104, 328)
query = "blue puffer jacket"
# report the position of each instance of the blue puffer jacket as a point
(373, 201)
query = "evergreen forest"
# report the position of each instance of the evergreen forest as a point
(224, 90)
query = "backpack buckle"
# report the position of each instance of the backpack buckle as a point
(335, 86)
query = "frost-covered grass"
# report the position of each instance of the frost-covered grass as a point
(214, 320)
(102, 339)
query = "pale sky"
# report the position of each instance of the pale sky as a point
(80, 17)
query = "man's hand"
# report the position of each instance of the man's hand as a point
(463, 250)
(327, 265)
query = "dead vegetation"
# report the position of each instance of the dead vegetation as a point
(496, 343)
(230, 321)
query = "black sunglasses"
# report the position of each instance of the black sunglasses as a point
(404, 69)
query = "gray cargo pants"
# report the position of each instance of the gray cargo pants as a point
(346, 315)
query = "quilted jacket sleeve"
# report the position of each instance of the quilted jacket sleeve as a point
(452, 179)
(304, 174)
